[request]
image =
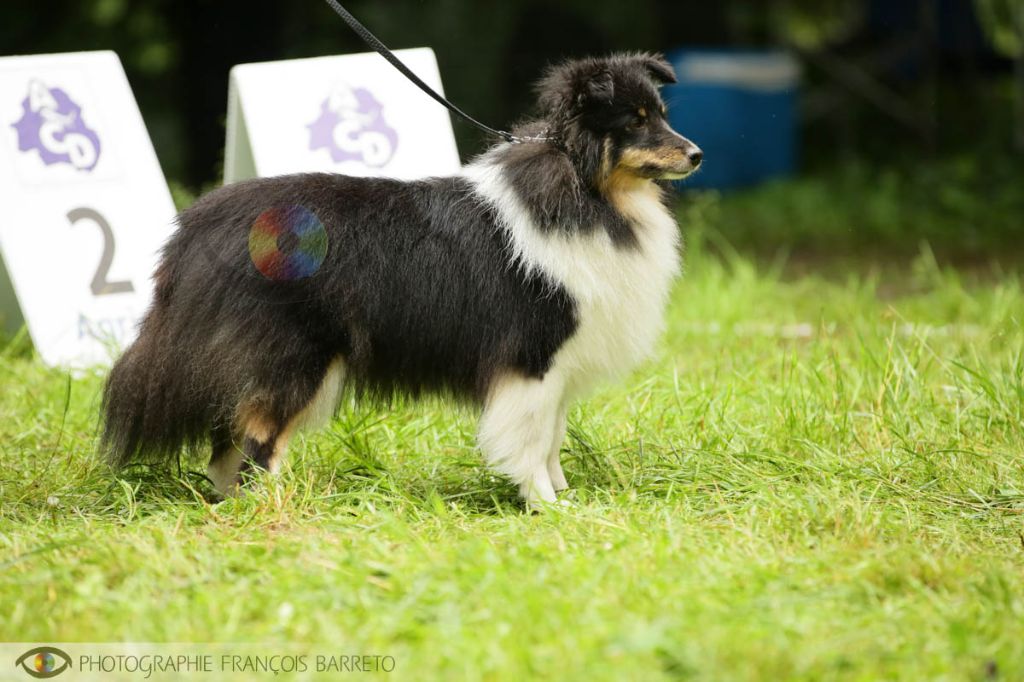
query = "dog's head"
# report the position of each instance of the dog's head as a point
(609, 115)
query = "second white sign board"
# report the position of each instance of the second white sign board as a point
(351, 114)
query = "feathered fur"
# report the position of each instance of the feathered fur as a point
(517, 278)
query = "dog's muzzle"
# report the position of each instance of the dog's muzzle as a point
(690, 156)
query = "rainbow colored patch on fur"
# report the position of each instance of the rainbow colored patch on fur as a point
(287, 243)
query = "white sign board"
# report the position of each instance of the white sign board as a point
(85, 207)
(352, 114)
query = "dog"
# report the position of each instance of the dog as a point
(541, 270)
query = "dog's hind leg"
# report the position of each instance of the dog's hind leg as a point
(267, 436)
(517, 429)
(225, 461)
(258, 430)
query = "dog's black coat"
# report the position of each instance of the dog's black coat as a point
(436, 305)
(418, 290)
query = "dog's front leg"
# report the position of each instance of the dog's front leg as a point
(519, 424)
(555, 453)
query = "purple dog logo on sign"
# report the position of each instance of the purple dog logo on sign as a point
(52, 124)
(351, 127)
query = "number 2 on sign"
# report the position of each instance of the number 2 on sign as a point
(100, 286)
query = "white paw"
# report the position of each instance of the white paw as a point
(539, 504)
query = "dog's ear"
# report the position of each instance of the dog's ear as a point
(658, 68)
(567, 88)
(598, 88)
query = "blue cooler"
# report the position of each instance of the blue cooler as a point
(740, 107)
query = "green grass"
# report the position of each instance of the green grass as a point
(817, 478)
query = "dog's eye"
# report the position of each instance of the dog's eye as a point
(638, 121)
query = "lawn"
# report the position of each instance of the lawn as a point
(818, 477)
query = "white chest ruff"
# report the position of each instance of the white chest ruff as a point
(620, 292)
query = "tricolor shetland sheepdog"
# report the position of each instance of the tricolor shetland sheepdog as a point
(541, 270)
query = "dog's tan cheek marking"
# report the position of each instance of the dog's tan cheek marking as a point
(616, 176)
(622, 179)
(619, 187)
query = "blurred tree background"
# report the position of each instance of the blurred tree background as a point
(898, 94)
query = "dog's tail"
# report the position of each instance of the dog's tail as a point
(144, 408)
(124, 407)
(152, 407)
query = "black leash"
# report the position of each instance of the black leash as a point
(383, 51)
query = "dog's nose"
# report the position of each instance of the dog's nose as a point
(696, 157)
